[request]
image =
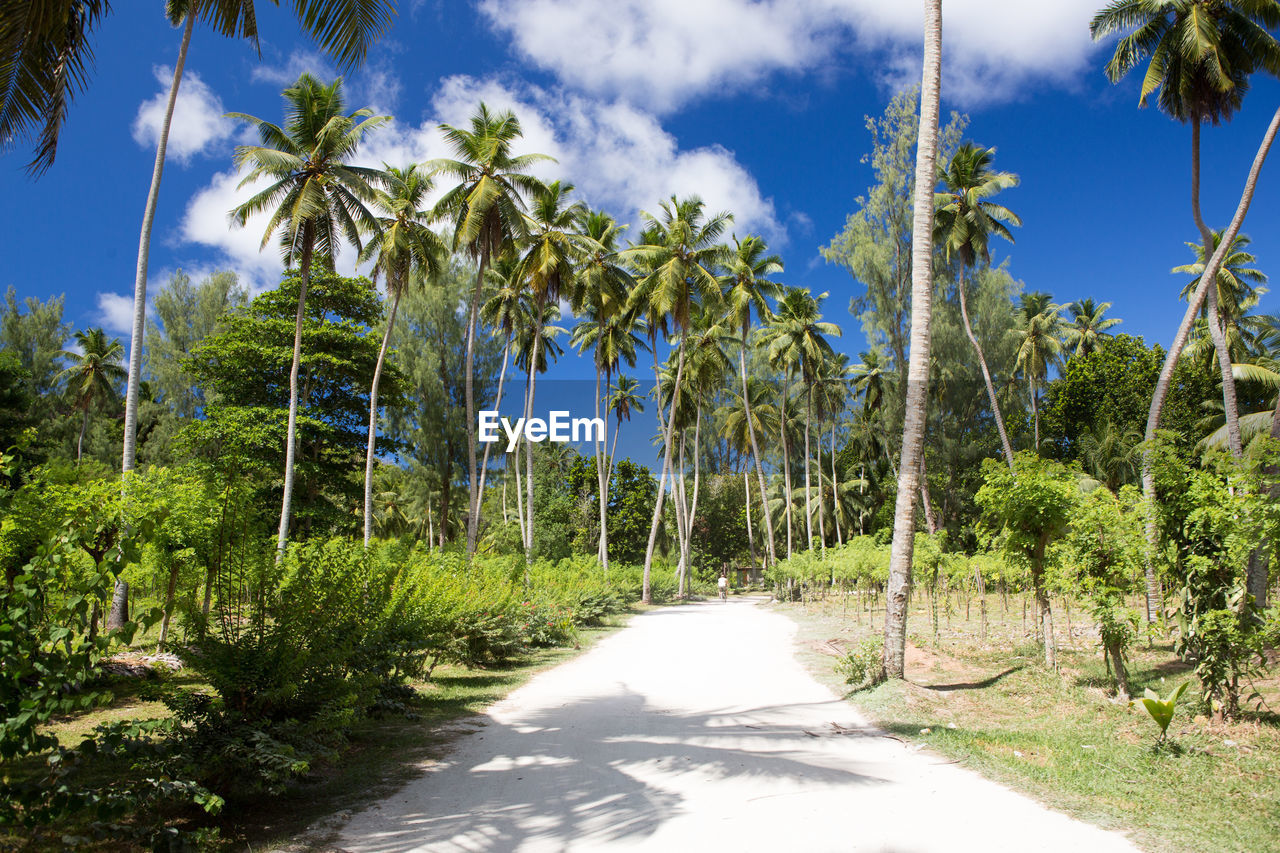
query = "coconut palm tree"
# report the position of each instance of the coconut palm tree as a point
(1238, 281)
(747, 288)
(547, 267)
(1088, 328)
(680, 254)
(93, 374)
(831, 394)
(964, 224)
(47, 53)
(746, 415)
(315, 198)
(624, 399)
(486, 208)
(404, 251)
(505, 311)
(1039, 347)
(601, 289)
(797, 338)
(1200, 55)
(917, 391)
(1111, 454)
(342, 29)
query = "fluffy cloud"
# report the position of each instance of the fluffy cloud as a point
(115, 313)
(198, 124)
(620, 157)
(662, 53)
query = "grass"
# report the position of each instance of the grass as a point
(1060, 737)
(384, 752)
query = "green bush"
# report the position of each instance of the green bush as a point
(862, 666)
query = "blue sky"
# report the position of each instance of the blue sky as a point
(756, 106)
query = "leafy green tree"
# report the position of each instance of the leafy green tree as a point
(315, 199)
(632, 494)
(1025, 511)
(185, 313)
(94, 372)
(38, 335)
(1088, 328)
(247, 368)
(405, 252)
(486, 208)
(964, 223)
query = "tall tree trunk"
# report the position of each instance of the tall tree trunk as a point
(986, 373)
(603, 546)
(373, 414)
(84, 427)
(808, 498)
(291, 434)
(917, 396)
(835, 487)
(1035, 416)
(1230, 408)
(770, 553)
(473, 483)
(697, 480)
(680, 497)
(118, 615)
(786, 462)
(144, 257)
(746, 491)
(1213, 264)
(528, 413)
(646, 595)
(497, 407)
(168, 603)
(929, 520)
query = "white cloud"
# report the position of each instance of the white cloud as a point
(115, 313)
(620, 157)
(198, 124)
(663, 53)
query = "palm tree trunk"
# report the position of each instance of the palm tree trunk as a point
(515, 463)
(373, 415)
(291, 434)
(786, 462)
(497, 406)
(528, 413)
(986, 373)
(746, 491)
(693, 506)
(603, 546)
(1035, 416)
(808, 498)
(144, 257)
(835, 487)
(917, 396)
(473, 493)
(682, 518)
(770, 554)
(1231, 409)
(645, 595)
(1213, 264)
(84, 427)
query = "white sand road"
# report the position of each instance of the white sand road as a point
(695, 729)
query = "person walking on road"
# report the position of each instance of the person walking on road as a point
(724, 587)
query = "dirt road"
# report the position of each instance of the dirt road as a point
(695, 729)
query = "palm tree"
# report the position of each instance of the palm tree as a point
(487, 210)
(601, 289)
(1088, 327)
(964, 223)
(46, 51)
(797, 338)
(1111, 454)
(624, 398)
(1039, 347)
(744, 416)
(93, 375)
(917, 391)
(1238, 282)
(547, 267)
(342, 29)
(316, 198)
(506, 311)
(680, 253)
(748, 288)
(405, 251)
(831, 394)
(1202, 53)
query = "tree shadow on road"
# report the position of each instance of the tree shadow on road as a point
(506, 785)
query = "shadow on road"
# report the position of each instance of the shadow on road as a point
(505, 785)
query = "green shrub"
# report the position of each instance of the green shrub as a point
(862, 666)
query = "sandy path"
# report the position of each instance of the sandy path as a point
(695, 729)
